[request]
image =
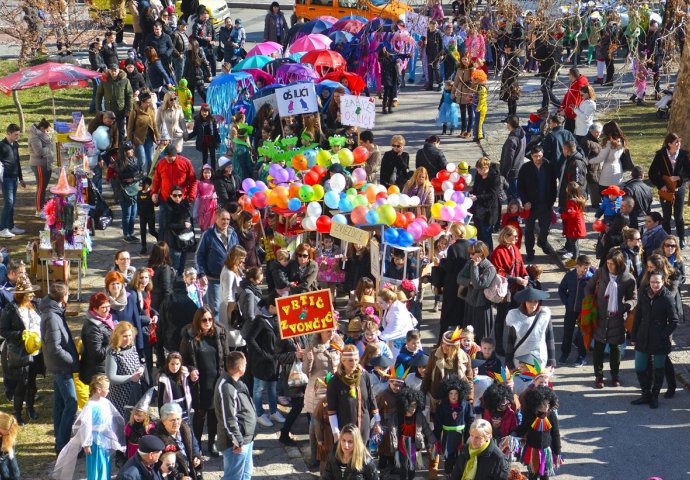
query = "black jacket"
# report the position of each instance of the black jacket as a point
(547, 52)
(190, 444)
(189, 345)
(333, 471)
(277, 276)
(394, 168)
(177, 215)
(262, 340)
(432, 158)
(176, 312)
(486, 207)
(135, 469)
(96, 60)
(109, 54)
(640, 192)
(9, 156)
(136, 80)
(196, 75)
(655, 320)
(11, 329)
(527, 179)
(57, 344)
(235, 411)
(95, 336)
(661, 165)
(433, 46)
(389, 68)
(575, 170)
(227, 188)
(491, 464)
(513, 154)
(162, 279)
(553, 147)
(202, 129)
(306, 281)
(286, 354)
(163, 46)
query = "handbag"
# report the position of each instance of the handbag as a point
(630, 321)
(131, 190)
(17, 356)
(626, 161)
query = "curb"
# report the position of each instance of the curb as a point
(259, 6)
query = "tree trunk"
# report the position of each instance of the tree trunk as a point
(20, 110)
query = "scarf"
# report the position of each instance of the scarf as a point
(612, 294)
(471, 466)
(672, 260)
(107, 321)
(648, 234)
(118, 304)
(352, 380)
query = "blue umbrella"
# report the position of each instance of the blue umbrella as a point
(297, 56)
(315, 26)
(229, 78)
(330, 85)
(354, 17)
(339, 37)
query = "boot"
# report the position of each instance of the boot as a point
(212, 450)
(670, 379)
(30, 400)
(20, 420)
(656, 387)
(444, 129)
(646, 397)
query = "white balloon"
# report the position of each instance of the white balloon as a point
(448, 194)
(454, 177)
(309, 224)
(414, 201)
(338, 182)
(404, 200)
(381, 189)
(451, 167)
(393, 200)
(314, 209)
(468, 178)
(447, 185)
(467, 203)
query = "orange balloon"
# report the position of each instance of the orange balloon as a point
(371, 192)
(280, 191)
(270, 196)
(400, 220)
(299, 162)
(294, 191)
(256, 216)
(393, 189)
(282, 202)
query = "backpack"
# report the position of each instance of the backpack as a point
(497, 291)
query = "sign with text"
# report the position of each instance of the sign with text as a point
(416, 23)
(375, 256)
(349, 234)
(357, 111)
(270, 99)
(296, 99)
(305, 313)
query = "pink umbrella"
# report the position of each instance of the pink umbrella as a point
(349, 25)
(265, 48)
(260, 74)
(314, 41)
(327, 18)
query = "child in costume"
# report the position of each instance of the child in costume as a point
(467, 342)
(414, 433)
(186, 99)
(328, 258)
(174, 385)
(194, 290)
(371, 337)
(99, 431)
(242, 152)
(206, 203)
(479, 103)
(539, 427)
(387, 401)
(453, 418)
(497, 403)
(571, 292)
(448, 111)
(514, 212)
(491, 362)
(396, 322)
(417, 367)
(9, 428)
(139, 424)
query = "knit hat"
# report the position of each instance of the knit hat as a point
(206, 167)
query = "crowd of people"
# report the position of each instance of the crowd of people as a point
(198, 339)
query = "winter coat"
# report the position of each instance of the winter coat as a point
(527, 179)
(433, 46)
(96, 60)
(584, 117)
(655, 320)
(661, 165)
(176, 312)
(573, 96)
(325, 360)
(235, 412)
(611, 329)
(491, 464)
(477, 278)
(57, 344)
(513, 154)
(277, 276)
(432, 158)
(136, 80)
(486, 208)
(158, 75)
(140, 124)
(196, 75)
(211, 253)
(642, 195)
(262, 341)
(333, 470)
(116, 92)
(227, 187)
(180, 44)
(611, 168)
(389, 68)
(176, 216)
(547, 52)
(306, 281)
(553, 147)
(248, 299)
(463, 91)
(136, 469)
(11, 329)
(571, 290)
(510, 87)
(41, 151)
(189, 350)
(180, 172)
(9, 156)
(573, 220)
(201, 31)
(190, 444)
(508, 262)
(109, 54)
(202, 130)
(95, 336)
(270, 27)
(456, 257)
(131, 314)
(574, 170)
(163, 46)
(394, 168)
(173, 119)
(434, 374)
(162, 280)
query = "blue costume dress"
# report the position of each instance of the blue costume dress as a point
(448, 111)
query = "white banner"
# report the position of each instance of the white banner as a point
(296, 99)
(357, 111)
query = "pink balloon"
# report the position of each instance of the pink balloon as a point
(459, 214)
(415, 230)
(422, 224)
(359, 215)
(447, 213)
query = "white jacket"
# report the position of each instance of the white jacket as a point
(584, 116)
(397, 322)
(611, 168)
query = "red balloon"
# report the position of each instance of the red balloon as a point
(443, 175)
(245, 202)
(319, 170)
(409, 216)
(436, 183)
(383, 195)
(400, 220)
(259, 199)
(434, 229)
(360, 154)
(311, 178)
(598, 226)
(323, 224)
(459, 187)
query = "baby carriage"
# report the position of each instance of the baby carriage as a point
(663, 106)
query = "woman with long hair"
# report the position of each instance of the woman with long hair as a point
(163, 274)
(124, 369)
(350, 458)
(230, 281)
(206, 133)
(485, 195)
(95, 336)
(246, 234)
(142, 130)
(463, 93)
(204, 349)
(331, 120)
(141, 286)
(171, 116)
(614, 144)
(265, 118)
(395, 163)
(420, 185)
(158, 75)
(197, 69)
(123, 305)
(311, 132)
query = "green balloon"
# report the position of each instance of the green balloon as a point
(306, 193)
(351, 191)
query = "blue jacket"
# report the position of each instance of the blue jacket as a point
(609, 208)
(210, 254)
(572, 289)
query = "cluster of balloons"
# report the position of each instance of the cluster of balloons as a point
(247, 204)
(451, 178)
(345, 157)
(451, 211)
(314, 220)
(280, 175)
(414, 231)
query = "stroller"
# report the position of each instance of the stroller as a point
(664, 105)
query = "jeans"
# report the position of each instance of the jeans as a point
(642, 361)
(179, 258)
(212, 295)
(675, 209)
(144, 153)
(542, 214)
(9, 191)
(64, 408)
(484, 231)
(238, 466)
(42, 180)
(547, 95)
(163, 210)
(466, 117)
(178, 68)
(129, 216)
(598, 359)
(513, 189)
(572, 246)
(568, 330)
(259, 387)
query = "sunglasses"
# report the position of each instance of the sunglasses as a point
(396, 146)
(303, 255)
(176, 195)
(207, 320)
(670, 245)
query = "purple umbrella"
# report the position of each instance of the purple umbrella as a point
(295, 72)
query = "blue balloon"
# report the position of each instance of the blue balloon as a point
(252, 191)
(294, 204)
(372, 217)
(331, 199)
(405, 238)
(310, 155)
(339, 218)
(345, 205)
(101, 138)
(391, 236)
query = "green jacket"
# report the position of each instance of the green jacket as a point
(117, 93)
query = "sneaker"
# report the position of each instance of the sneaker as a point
(264, 420)
(6, 233)
(287, 440)
(18, 231)
(580, 362)
(567, 256)
(278, 417)
(284, 401)
(133, 239)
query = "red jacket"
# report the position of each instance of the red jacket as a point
(513, 219)
(573, 221)
(508, 262)
(573, 96)
(167, 175)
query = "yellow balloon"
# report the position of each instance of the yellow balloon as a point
(393, 189)
(470, 231)
(318, 192)
(323, 158)
(450, 203)
(436, 210)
